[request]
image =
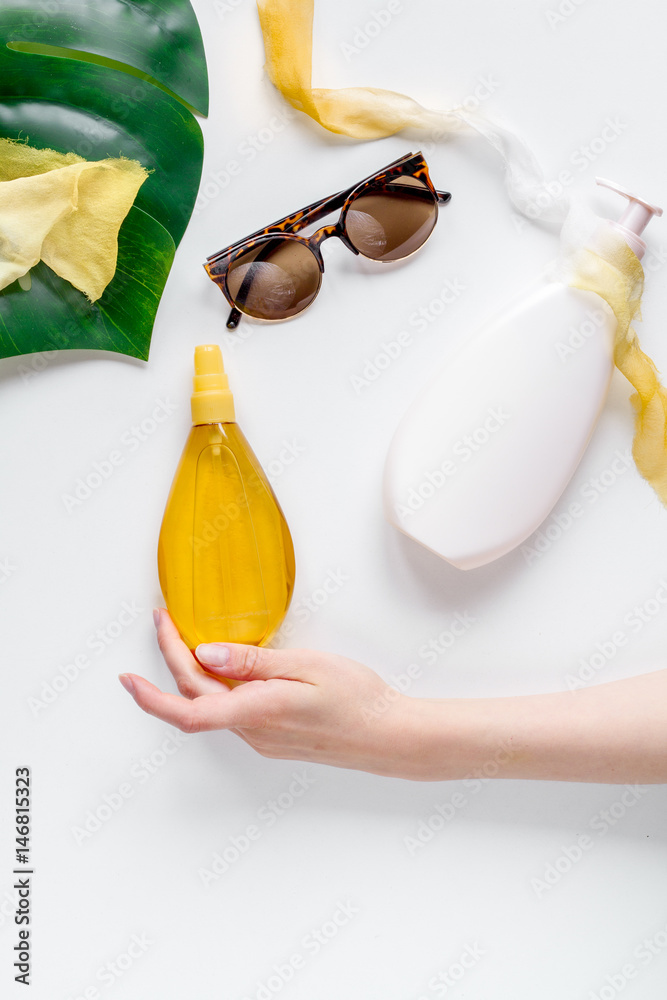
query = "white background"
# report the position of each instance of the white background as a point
(479, 884)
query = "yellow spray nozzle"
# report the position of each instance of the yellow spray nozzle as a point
(212, 401)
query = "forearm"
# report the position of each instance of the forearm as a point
(612, 733)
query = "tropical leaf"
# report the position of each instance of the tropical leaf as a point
(99, 111)
(158, 41)
(54, 316)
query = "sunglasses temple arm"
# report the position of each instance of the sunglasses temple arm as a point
(233, 319)
(315, 212)
(319, 209)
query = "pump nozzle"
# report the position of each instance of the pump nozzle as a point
(212, 402)
(635, 218)
(208, 361)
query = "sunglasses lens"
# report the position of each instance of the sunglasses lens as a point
(390, 222)
(274, 279)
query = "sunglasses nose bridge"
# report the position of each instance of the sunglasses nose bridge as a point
(337, 230)
(327, 232)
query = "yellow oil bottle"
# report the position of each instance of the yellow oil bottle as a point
(225, 553)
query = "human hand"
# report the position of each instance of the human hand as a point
(294, 704)
(297, 704)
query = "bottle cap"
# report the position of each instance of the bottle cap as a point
(635, 218)
(212, 401)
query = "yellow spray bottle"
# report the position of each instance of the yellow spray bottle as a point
(225, 554)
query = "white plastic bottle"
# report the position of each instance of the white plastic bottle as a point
(485, 451)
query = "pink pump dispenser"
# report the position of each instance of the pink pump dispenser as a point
(635, 218)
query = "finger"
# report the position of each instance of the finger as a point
(203, 713)
(247, 663)
(189, 676)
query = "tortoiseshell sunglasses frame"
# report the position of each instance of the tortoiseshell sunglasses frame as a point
(410, 165)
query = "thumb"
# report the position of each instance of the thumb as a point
(249, 663)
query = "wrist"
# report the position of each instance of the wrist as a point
(451, 739)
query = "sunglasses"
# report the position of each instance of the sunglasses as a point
(274, 274)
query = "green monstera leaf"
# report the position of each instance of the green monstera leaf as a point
(132, 99)
(54, 316)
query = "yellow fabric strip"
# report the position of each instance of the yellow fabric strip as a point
(360, 112)
(63, 210)
(616, 274)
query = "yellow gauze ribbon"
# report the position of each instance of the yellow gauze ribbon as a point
(64, 210)
(616, 274)
(369, 113)
(360, 112)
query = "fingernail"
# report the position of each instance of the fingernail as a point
(127, 682)
(212, 654)
(156, 617)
